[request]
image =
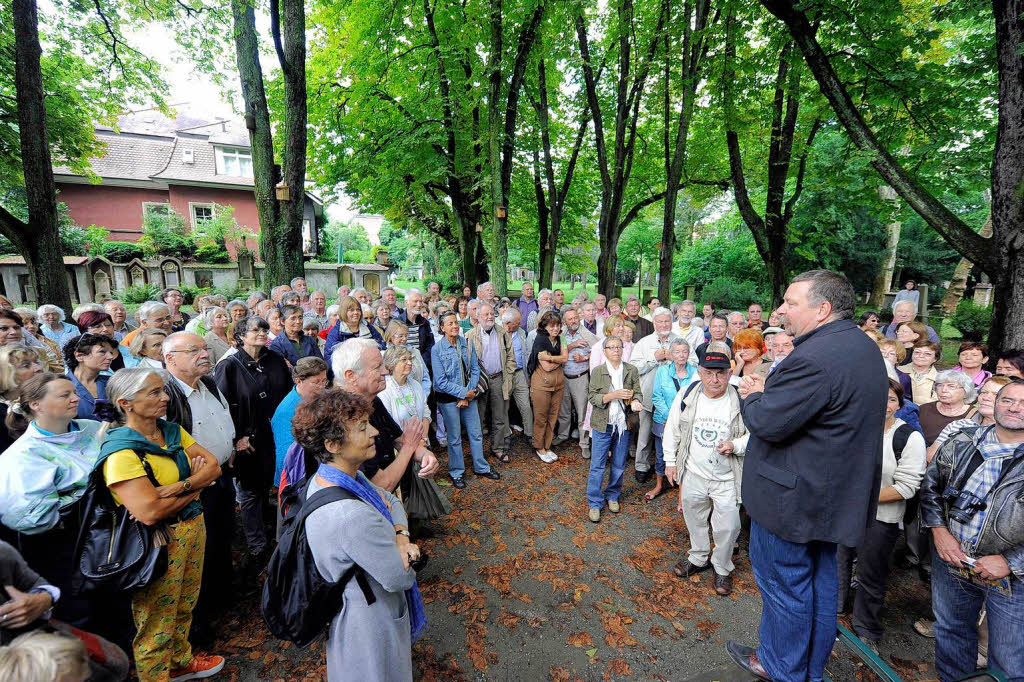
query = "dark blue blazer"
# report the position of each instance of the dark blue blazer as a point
(814, 459)
(282, 345)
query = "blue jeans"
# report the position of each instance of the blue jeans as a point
(799, 591)
(602, 444)
(658, 430)
(454, 419)
(957, 603)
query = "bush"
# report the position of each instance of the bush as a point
(729, 293)
(971, 320)
(136, 295)
(165, 234)
(121, 252)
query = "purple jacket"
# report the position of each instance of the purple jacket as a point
(525, 308)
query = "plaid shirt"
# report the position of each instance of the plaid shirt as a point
(981, 483)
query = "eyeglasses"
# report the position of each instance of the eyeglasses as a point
(190, 351)
(949, 387)
(1010, 402)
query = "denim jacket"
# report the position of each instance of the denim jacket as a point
(447, 367)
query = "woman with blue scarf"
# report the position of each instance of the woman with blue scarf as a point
(366, 642)
(162, 610)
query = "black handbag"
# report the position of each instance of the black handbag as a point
(116, 552)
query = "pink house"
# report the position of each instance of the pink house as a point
(186, 164)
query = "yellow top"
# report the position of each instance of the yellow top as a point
(124, 465)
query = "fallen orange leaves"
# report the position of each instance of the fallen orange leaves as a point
(581, 640)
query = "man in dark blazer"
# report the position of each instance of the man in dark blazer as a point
(811, 477)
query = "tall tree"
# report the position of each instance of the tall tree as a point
(769, 231)
(632, 72)
(1001, 256)
(38, 239)
(280, 220)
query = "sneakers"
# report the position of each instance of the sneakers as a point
(546, 456)
(613, 506)
(517, 428)
(201, 667)
(595, 514)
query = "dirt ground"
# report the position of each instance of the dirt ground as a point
(521, 586)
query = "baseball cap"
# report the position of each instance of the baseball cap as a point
(714, 360)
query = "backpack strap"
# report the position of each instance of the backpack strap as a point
(326, 496)
(899, 440)
(689, 389)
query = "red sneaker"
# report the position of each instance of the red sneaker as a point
(201, 667)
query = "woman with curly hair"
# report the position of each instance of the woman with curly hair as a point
(368, 639)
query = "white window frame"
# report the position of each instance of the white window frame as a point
(146, 205)
(202, 204)
(235, 153)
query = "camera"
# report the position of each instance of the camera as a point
(962, 504)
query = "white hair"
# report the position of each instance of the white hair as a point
(658, 312)
(49, 308)
(86, 307)
(167, 346)
(126, 384)
(210, 312)
(736, 313)
(545, 291)
(719, 347)
(509, 315)
(331, 310)
(147, 309)
(680, 342)
(296, 279)
(904, 303)
(349, 356)
(481, 286)
(955, 376)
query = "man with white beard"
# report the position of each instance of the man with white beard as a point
(650, 353)
(691, 333)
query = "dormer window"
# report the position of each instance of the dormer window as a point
(235, 161)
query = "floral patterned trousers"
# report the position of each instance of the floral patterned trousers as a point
(163, 610)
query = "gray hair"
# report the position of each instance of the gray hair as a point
(236, 303)
(509, 315)
(318, 291)
(349, 356)
(166, 346)
(410, 292)
(545, 291)
(357, 290)
(394, 355)
(688, 302)
(658, 312)
(139, 340)
(481, 286)
(258, 295)
(955, 376)
(147, 309)
(296, 279)
(290, 298)
(483, 304)
(331, 310)
(904, 303)
(736, 314)
(85, 307)
(388, 288)
(113, 301)
(279, 287)
(719, 347)
(211, 311)
(632, 297)
(832, 287)
(126, 384)
(680, 342)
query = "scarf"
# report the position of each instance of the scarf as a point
(126, 438)
(616, 417)
(365, 491)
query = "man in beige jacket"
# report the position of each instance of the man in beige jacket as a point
(497, 368)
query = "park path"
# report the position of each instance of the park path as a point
(521, 586)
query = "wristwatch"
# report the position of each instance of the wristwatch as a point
(188, 485)
(402, 532)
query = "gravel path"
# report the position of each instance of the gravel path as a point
(521, 586)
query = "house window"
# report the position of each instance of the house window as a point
(155, 208)
(200, 213)
(234, 161)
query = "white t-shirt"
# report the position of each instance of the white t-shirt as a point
(710, 427)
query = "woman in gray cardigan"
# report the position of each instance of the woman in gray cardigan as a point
(367, 642)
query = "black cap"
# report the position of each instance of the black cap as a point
(714, 360)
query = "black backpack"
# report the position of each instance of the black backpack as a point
(298, 602)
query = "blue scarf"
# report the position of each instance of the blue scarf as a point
(362, 489)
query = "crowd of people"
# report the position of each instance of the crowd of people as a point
(826, 442)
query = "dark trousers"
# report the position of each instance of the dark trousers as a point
(798, 592)
(219, 514)
(872, 573)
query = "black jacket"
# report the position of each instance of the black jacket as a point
(253, 389)
(644, 327)
(1003, 528)
(814, 459)
(426, 342)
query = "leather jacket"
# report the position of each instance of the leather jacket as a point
(1003, 529)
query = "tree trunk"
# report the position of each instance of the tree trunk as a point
(39, 239)
(883, 280)
(958, 282)
(499, 220)
(289, 260)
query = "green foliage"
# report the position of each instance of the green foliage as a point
(96, 238)
(136, 295)
(730, 254)
(165, 234)
(213, 236)
(729, 293)
(353, 239)
(971, 320)
(122, 252)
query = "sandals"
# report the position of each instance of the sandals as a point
(503, 457)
